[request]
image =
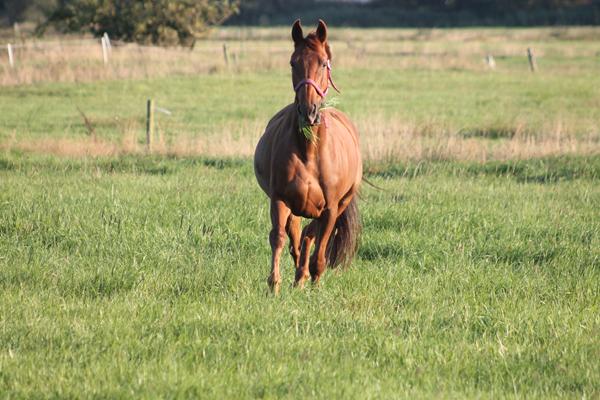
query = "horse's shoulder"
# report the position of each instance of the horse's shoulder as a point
(343, 119)
(280, 115)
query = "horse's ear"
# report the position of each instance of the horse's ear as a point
(322, 31)
(297, 34)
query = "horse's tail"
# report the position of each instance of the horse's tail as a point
(343, 243)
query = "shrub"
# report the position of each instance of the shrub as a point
(163, 22)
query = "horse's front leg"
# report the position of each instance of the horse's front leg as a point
(279, 215)
(318, 261)
(306, 242)
(293, 228)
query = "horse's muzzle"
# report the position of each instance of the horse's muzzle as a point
(310, 113)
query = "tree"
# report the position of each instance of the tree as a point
(23, 10)
(164, 22)
(13, 9)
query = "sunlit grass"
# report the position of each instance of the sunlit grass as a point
(147, 277)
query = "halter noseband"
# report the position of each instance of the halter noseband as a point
(314, 84)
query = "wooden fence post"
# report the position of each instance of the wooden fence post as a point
(11, 57)
(532, 61)
(149, 125)
(17, 30)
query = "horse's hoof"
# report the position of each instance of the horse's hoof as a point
(273, 286)
(300, 280)
(299, 284)
(315, 280)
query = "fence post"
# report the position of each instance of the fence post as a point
(149, 124)
(532, 61)
(225, 54)
(489, 59)
(104, 50)
(107, 42)
(11, 57)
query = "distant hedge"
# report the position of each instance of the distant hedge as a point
(399, 13)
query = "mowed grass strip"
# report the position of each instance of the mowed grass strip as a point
(147, 277)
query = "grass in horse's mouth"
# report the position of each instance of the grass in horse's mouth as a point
(306, 129)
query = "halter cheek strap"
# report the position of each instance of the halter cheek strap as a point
(314, 84)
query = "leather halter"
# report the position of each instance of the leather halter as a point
(315, 85)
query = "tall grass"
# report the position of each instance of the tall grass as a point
(382, 140)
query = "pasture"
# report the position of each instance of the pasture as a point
(130, 274)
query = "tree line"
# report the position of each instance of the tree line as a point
(181, 22)
(164, 22)
(422, 13)
(476, 5)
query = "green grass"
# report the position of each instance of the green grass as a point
(147, 277)
(454, 100)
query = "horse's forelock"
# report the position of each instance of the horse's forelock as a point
(313, 42)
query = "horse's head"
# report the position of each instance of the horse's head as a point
(311, 70)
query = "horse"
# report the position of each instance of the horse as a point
(308, 162)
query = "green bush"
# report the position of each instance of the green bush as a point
(164, 22)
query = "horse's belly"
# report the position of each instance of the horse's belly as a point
(305, 198)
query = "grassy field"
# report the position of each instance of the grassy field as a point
(414, 94)
(148, 276)
(125, 274)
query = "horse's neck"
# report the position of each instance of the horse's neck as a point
(309, 149)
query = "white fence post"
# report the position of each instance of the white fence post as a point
(11, 57)
(489, 59)
(104, 50)
(107, 42)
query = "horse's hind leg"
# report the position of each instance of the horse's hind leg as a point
(308, 238)
(293, 231)
(279, 216)
(318, 260)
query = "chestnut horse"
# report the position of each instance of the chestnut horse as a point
(313, 176)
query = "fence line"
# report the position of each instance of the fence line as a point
(223, 46)
(92, 59)
(34, 45)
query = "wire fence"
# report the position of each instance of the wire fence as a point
(24, 61)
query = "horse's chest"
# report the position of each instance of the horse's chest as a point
(304, 196)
